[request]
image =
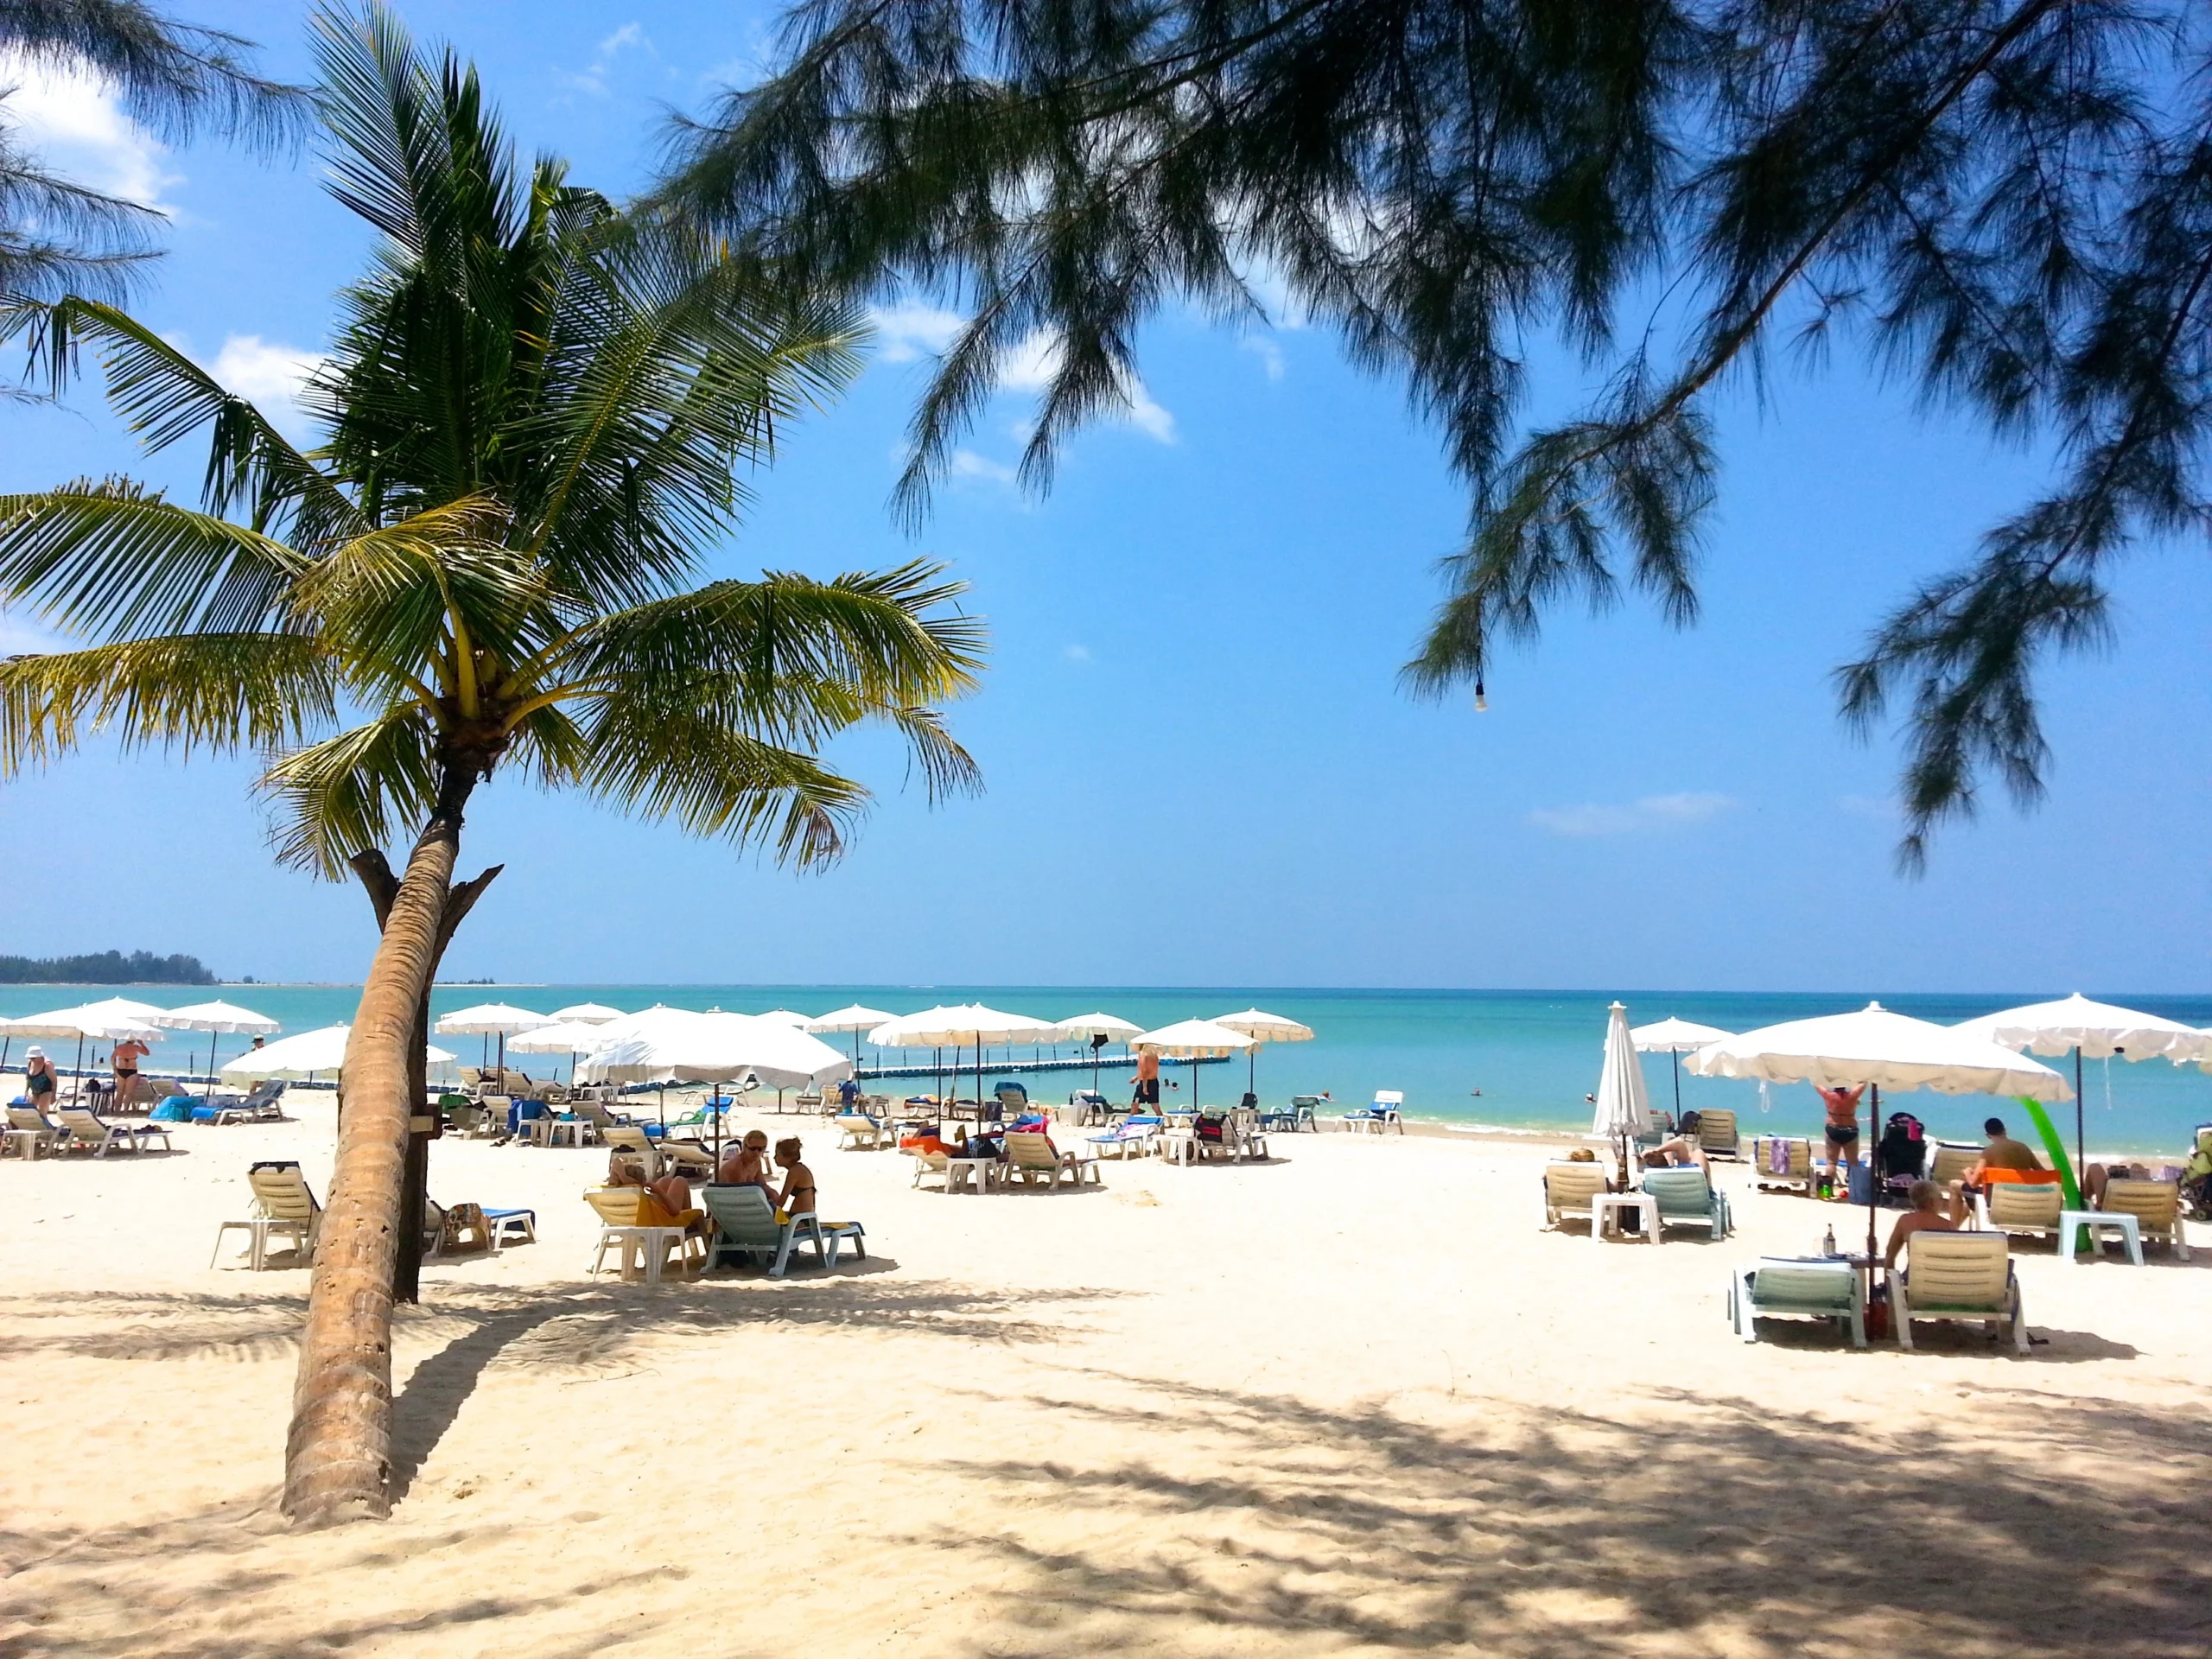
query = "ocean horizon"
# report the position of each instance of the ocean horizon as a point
(1506, 1060)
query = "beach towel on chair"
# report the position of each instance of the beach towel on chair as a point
(1778, 1157)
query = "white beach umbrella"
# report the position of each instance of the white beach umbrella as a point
(112, 1020)
(677, 1046)
(574, 1037)
(1195, 1039)
(962, 1025)
(2097, 1029)
(790, 1017)
(1263, 1028)
(852, 1018)
(489, 1018)
(1882, 1050)
(1675, 1038)
(310, 1054)
(1623, 1108)
(585, 1013)
(216, 1019)
(1097, 1030)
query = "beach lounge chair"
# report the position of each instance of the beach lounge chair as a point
(30, 1129)
(861, 1133)
(1304, 1111)
(1782, 1162)
(2156, 1206)
(2018, 1207)
(1382, 1113)
(1957, 1277)
(686, 1157)
(282, 1204)
(1777, 1288)
(1030, 1157)
(1687, 1198)
(1716, 1134)
(259, 1106)
(632, 1139)
(928, 1163)
(85, 1130)
(746, 1226)
(1949, 1162)
(1013, 1097)
(1132, 1137)
(1573, 1190)
(447, 1231)
(633, 1222)
(1248, 1135)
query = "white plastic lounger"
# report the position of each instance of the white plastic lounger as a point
(1778, 1287)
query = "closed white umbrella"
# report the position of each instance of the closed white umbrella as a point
(1195, 1039)
(1623, 1108)
(1097, 1030)
(490, 1018)
(853, 1018)
(585, 1013)
(310, 1054)
(2099, 1030)
(1882, 1050)
(216, 1019)
(1675, 1038)
(1262, 1028)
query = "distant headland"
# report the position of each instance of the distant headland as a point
(105, 968)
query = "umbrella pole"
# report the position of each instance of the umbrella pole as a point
(2081, 1157)
(1872, 1195)
(1675, 1055)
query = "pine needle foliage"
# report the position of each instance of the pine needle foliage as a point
(2006, 202)
(535, 424)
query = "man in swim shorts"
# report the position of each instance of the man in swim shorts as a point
(1146, 1079)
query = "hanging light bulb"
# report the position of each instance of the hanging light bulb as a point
(1482, 703)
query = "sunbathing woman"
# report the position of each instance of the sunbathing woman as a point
(797, 1198)
(671, 1192)
(747, 1162)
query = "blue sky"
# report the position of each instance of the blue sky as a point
(1200, 769)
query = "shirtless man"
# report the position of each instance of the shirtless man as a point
(2003, 1152)
(1926, 1196)
(797, 1195)
(1842, 1132)
(747, 1162)
(1147, 1080)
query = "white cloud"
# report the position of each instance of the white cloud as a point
(71, 121)
(265, 372)
(1031, 365)
(1149, 417)
(18, 637)
(966, 463)
(1266, 351)
(909, 330)
(592, 78)
(1076, 653)
(1636, 817)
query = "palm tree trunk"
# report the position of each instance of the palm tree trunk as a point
(338, 1457)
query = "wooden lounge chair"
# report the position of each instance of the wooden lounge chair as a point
(1782, 1162)
(1573, 1190)
(2156, 1206)
(746, 1226)
(861, 1133)
(633, 1222)
(1957, 1277)
(1687, 1198)
(1030, 1157)
(1776, 1287)
(1717, 1137)
(2018, 1207)
(85, 1131)
(282, 1204)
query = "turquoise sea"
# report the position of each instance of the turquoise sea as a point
(1533, 1055)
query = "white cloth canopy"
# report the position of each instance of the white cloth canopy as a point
(962, 1024)
(1624, 1108)
(851, 1017)
(111, 1020)
(1672, 1036)
(585, 1013)
(677, 1046)
(489, 1019)
(1266, 1028)
(1084, 1027)
(785, 1017)
(561, 1037)
(1877, 1046)
(310, 1054)
(1194, 1039)
(2097, 1029)
(224, 1017)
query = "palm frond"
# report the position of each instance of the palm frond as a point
(351, 791)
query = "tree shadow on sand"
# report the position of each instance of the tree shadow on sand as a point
(1254, 1522)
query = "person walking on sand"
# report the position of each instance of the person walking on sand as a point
(1147, 1080)
(1842, 1133)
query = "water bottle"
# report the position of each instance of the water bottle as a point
(1827, 1244)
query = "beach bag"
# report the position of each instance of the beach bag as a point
(1208, 1129)
(1778, 1157)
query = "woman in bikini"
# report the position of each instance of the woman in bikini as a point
(1842, 1133)
(797, 1197)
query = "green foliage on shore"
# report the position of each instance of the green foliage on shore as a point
(105, 968)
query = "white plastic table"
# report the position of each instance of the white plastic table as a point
(969, 1174)
(2071, 1222)
(1609, 1207)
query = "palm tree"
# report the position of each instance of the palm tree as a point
(59, 235)
(532, 419)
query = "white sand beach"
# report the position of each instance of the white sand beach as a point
(1353, 1402)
